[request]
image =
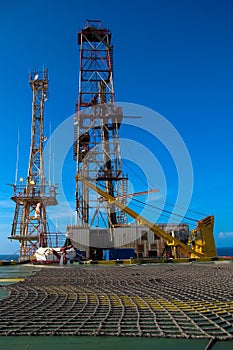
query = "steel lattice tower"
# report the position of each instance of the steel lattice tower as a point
(30, 222)
(97, 123)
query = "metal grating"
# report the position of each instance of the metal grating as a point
(177, 301)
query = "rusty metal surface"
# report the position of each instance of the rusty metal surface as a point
(177, 301)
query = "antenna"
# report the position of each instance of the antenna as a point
(32, 197)
(50, 153)
(17, 158)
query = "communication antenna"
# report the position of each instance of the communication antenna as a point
(17, 158)
(33, 196)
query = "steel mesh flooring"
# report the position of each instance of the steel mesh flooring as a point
(178, 301)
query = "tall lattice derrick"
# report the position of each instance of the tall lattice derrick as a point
(97, 123)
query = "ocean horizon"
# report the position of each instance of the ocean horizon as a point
(225, 251)
(222, 251)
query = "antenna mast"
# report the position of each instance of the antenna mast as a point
(30, 222)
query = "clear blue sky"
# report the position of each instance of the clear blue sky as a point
(172, 56)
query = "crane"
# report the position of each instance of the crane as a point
(201, 242)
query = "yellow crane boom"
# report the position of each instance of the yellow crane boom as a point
(201, 245)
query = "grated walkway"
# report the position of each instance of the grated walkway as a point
(177, 301)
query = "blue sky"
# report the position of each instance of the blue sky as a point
(174, 57)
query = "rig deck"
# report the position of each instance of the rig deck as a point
(176, 301)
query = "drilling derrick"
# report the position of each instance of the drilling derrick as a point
(102, 231)
(97, 122)
(30, 222)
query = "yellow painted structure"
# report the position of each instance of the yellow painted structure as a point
(17, 279)
(201, 244)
